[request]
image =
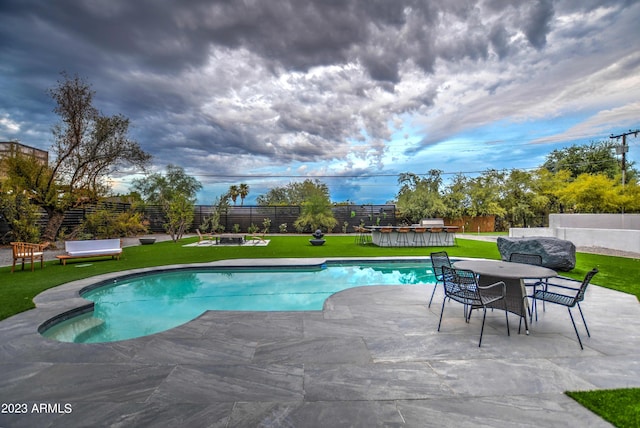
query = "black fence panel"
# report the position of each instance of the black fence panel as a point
(281, 218)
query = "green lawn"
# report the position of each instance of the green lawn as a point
(17, 290)
(621, 407)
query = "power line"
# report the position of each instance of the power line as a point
(623, 149)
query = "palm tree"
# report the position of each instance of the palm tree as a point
(243, 192)
(234, 192)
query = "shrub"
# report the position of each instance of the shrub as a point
(105, 224)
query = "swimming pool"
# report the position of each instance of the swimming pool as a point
(145, 304)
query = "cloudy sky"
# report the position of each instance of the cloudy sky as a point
(352, 92)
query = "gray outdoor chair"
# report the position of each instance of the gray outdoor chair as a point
(574, 294)
(529, 259)
(438, 259)
(461, 285)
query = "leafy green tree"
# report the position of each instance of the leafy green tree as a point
(293, 193)
(519, 198)
(456, 197)
(419, 197)
(316, 212)
(243, 191)
(593, 193)
(87, 148)
(21, 215)
(176, 193)
(233, 193)
(220, 207)
(485, 194)
(546, 186)
(630, 195)
(593, 158)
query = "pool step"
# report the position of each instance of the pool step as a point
(75, 329)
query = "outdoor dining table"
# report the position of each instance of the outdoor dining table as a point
(513, 275)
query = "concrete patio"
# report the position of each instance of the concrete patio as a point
(371, 358)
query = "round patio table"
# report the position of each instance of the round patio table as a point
(513, 275)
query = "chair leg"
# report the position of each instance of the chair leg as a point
(506, 314)
(584, 321)
(575, 328)
(441, 312)
(433, 293)
(484, 316)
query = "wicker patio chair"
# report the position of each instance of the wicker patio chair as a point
(461, 285)
(574, 294)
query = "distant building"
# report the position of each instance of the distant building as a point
(12, 148)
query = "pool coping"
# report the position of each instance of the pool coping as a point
(63, 302)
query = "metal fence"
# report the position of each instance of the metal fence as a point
(347, 216)
(282, 218)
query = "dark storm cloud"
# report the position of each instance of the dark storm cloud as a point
(247, 84)
(537, 22)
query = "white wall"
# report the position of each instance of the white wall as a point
(615, 231)
(595, 221)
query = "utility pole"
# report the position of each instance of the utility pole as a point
(623, 149)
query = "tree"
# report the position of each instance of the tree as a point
(233, 193)
(456, 197)
(316, 212)
(20, 214)
(87, 148)
(593, 193)
(519, 199)
(594, 158)
(175, 193)
(243, 191)
(485, 194)
(212, 223)
(293, 193)
(419, 197)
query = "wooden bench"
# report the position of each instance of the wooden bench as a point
(91, 248)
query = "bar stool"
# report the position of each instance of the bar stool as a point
(449, 237)
(418, 237)
(434, 237)
(358, 235)
(366, 235)
(402, 239)
(385, 236)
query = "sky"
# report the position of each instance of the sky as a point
(349, 92)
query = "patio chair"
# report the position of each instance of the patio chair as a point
(258, 238)
(26, 251)
(204, 238)
(438, 259)
(461, 285)
(573, 295)
(529, 259)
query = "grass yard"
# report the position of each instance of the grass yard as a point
(621, 407)
(17, 290)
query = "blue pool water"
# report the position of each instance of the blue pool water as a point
(156, 302)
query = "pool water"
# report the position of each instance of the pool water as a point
(156, 302)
